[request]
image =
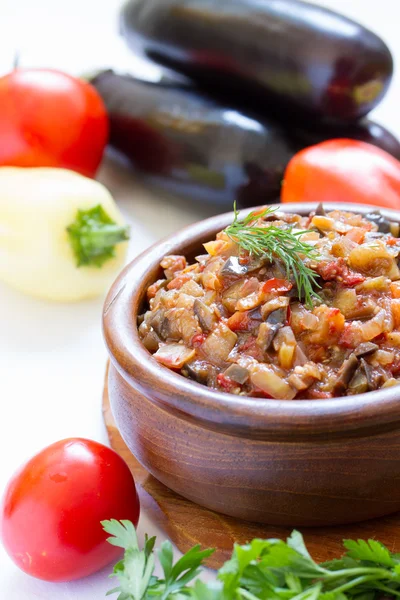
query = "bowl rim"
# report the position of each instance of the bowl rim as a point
(349, 415)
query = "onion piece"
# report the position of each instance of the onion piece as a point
(374, 327)
(391, 382)
(382, 357)
(285, 344)
(174, 356)
(380, 284)
(302, 319)
(373, 259)
(393, 338)
(264, 378)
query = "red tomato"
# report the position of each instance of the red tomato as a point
(52, 508)
(276, 286)
(50, 119)
(342, 170)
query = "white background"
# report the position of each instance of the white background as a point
(52, 357)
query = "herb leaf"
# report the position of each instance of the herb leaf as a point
(284, 245)
(296, 542)
(371, 551)
(260, 570)
(123, 533)
(184, 571)
(134, 572)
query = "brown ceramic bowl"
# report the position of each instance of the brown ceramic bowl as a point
(297, 463)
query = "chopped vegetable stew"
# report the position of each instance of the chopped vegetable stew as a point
(310, 309)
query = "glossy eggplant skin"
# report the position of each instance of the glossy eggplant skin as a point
(191, 145)
(279, 54)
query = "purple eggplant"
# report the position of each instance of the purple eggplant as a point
(189, 144)
(287, 57)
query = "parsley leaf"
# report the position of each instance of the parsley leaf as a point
(123, 533)
(134, 572)
(184, 571)
(260, 570)
(296, 542)
(371, 551)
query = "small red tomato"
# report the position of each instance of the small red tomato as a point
(52, 508)
(50, 119)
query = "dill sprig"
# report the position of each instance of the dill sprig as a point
(279, 244)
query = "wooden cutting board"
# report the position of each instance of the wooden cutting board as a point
(187, 524)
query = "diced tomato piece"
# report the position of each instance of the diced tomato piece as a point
(350, 278)
(173, 263)
(198, 339)
(251, 348)
(248, 344)
(335, 321)
(226, 382)
(241, 321)
(347, 337)
(338, 270)
(395, 289)
(244, 258)
(276, 286)
(330, 325)
(154, 288)
(356, 234)
(178, 281)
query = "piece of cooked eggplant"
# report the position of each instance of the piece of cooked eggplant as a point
(345, 374)
(283, 55)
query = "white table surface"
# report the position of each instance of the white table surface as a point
(52, 357)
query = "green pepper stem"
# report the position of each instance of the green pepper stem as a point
(93, 237)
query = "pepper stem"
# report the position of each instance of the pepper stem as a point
(93, 237)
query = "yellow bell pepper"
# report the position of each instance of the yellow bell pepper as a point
(62, 237)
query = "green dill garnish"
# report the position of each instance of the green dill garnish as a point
(279, 244)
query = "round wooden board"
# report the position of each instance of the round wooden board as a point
(187, 524)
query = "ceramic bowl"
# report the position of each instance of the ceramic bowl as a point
(295, 463)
